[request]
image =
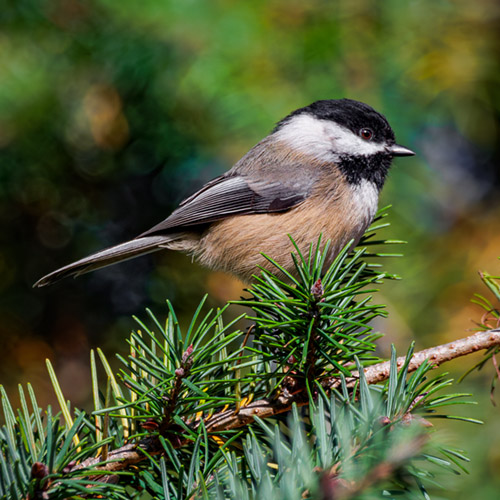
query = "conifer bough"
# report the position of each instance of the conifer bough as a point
(301, 405)
(265, 408)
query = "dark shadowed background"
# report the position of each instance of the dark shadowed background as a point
(112, 111)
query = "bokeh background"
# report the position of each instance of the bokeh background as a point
(112, 111)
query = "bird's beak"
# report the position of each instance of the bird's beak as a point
(397, 150)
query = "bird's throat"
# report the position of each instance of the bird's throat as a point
(371, 168)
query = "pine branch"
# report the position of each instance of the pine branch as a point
(192, 405)
(266, 408)
(121, 458)
(435, 355)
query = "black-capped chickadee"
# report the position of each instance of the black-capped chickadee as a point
(319, 171)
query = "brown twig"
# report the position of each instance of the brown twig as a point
(269, 407)
(439, 354)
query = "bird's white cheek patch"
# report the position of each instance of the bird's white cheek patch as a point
(324, 139)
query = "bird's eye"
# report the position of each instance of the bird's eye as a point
(366, 134)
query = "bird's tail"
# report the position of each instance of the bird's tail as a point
(112, 255)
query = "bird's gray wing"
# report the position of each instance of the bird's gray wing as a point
(230, 195)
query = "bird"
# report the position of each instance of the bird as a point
(319, 171)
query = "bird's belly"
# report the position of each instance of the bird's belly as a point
(236, 244)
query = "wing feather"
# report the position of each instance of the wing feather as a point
(226, 196)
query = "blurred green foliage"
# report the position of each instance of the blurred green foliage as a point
(111, 112)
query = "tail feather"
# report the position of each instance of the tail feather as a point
(112, 255)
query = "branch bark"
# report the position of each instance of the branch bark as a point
(439, 354)
(266, 408)
(121, 458)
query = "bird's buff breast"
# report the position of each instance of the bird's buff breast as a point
(236, 244)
